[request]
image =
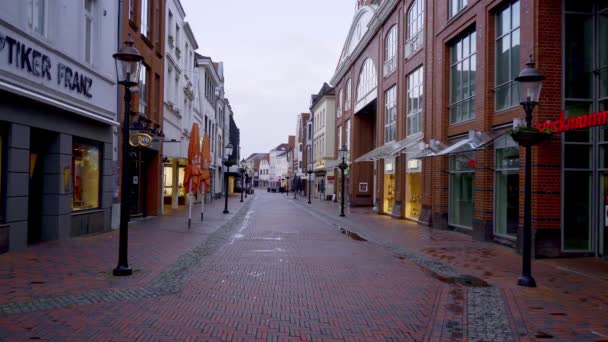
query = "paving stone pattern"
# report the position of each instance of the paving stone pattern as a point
(488, 320)
(169, 281)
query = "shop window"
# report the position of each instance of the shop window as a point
(507, 56)
(462, 175)
(390, 114)
(506, 187)
(463, 59)
(86, 179)
(415, 91)
(413, 189)
(577, 218)
(456, 6)
(389, 185)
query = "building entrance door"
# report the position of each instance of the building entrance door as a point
(136, 180)
(39, 147)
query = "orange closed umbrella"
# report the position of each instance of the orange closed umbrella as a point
(192, 173)
(205, 183)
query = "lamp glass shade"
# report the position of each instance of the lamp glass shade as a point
(529, 91)
(343, 153)
(128, 63)
(228, 150)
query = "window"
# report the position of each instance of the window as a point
(170, 26)
(507, 56)
(462, 78)
(143, 91)
(348, 95)
(507, 186)
(340, 142)
(340, 99)
(132, 10)
(169, 98)
(415, 24)
(157, 97)
(37, 16)
(177, 39)
(144, 27)
(88, 31)
(367, 79)
(300, 147)
(390, 51)
(456, 6)
(390, 114)
(85, 175)
(158, 23)
(462, 175)
(415, 91)
(348, 135)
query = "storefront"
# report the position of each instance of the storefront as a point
(389, 185)
(174, 193)
(506, 187)
(462, 175)
(413, 189)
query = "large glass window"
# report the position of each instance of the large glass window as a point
(413, 188)
(414, 101)
(88, 31)
(507, 187)
(348, 135)
(37, 16)
(390, 51)
(340, 142)
(462, 175)
(85, 175)
(390, 114)
(462, 78)
(143, 91)
(367, 79)
(415, 24)
(340, 101)
(456, 6)
(507, 56)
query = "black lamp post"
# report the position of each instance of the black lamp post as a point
(309, 181)
(242, 170)
(529, 82)
(295, 188)
(287, 185)
(227, 163)
(246, 182)
(343, 166)
(128, 63)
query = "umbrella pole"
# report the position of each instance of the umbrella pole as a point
(203, 202)
(190, 204)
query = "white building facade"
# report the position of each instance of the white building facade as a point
(323, 111)
(179, 98)
(58, 105)
(279, 166)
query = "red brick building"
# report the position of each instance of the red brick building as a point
(144, 21)
(427, 88)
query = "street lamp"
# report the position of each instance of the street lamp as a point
(128, 62)
(295, 188)
(227, 163)
(246, 181)
(242, 170)
(287, 185)
(529, 82)
(343, 166)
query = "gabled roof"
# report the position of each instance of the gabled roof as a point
(326, 90)
(281, 147)
(257, 156)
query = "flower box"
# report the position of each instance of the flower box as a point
(529, 136)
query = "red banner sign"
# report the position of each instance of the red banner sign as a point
(582, 121)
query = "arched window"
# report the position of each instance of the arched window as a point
(340, 101)
(368, 81)
(348, 95)
(415, 24)
(390, 51)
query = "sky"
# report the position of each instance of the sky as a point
(276, 53)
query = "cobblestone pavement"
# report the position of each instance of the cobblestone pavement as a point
(274, 272)
(570, 303)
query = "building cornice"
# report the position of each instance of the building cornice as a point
(190, 35)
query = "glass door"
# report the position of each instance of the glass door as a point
(506, 201)
(135, 185)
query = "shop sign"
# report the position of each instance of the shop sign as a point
(28, 59)
(363, 187)
(582, 121)
(140, 140)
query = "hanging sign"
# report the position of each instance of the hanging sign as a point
(582, 121)
(140, 140)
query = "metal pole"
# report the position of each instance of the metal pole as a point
(309, 181)
(246, 184)
(295, 190)
(342, 167)
(123, 269)
(242, 186)
(226, 192)
(526, 278)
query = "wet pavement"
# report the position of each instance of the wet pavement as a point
(277, 269)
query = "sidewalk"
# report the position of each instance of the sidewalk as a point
(84, 264)
(569, 304)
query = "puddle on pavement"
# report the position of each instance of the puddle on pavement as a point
(352, 235)
(465, 280)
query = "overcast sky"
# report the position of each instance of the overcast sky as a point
(276, 53)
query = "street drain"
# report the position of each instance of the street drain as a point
(353, 235)
(541, 334)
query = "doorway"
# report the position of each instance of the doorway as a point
(136, 181)
(40, 141)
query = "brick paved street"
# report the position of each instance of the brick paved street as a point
(278, 269)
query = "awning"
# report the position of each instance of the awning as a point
(330, 165)
(407, 143)
(428, 150)
(380, 152)
(475, 141)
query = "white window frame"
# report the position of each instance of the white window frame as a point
(415, 27)
(349, 92)
(390, 51)
(144, 89)
(89, 18)
(468, 55)
(32, 16)
(144, 25)
(390, 114)
(510, 84)
(348, 127)
(415, 103)
(368, 81)
(456, 6)
(340, 100)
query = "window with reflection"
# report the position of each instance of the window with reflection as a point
(414, 101)
(507, 56)
(368, 80)
(456, 6)
(86, 171)
(462, 176)
(463, 67)
(415, 24)
(390, 114)
(390, 51)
